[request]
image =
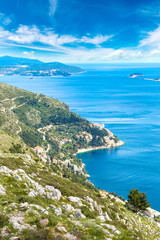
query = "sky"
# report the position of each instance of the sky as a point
(81, 31)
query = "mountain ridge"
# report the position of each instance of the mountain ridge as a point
(33, 67)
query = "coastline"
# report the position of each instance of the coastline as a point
(149, 212)
(118, 144)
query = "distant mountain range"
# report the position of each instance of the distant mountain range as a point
(33, 67)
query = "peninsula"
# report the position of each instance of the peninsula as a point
(13, 66)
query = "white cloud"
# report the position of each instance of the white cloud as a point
(53, 6)
(152, 39)
(29, 54)
(27, 35)
(101, 55)
(31, 38)
(96, 40)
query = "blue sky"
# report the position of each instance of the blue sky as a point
(81, 31)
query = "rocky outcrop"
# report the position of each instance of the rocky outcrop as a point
(52, 193)
(36, 189)
(75, 200)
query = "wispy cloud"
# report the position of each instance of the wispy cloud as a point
(52, 7)
(78, 49)
(96, 40)
(5, 20)
(152, 39)
(28, 35)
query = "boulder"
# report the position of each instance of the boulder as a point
(15, 238)
(52, 206)
(32, 193)
(2, 190)
(39, 189)
(13, 205)
(78, 214)
(53, 193)
(44, 222)
(7, 171)
(68, 208)
(58, 211)
(97, 208)
(32, 211)
(18, 223)
(17, 177)
(61, 229)
(107, 217)
(69, 236)
(23, 206)
(75, 200)
(112, 228)
(41, 209)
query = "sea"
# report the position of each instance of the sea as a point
(129, 107)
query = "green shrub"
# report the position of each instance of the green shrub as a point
(16, 148)
(88, 213)
(35, 234)
(3, 220)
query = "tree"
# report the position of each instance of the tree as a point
(138, 200)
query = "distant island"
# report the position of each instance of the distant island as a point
(13, 66)
(134, 75)
(153, 79)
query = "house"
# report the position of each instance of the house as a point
(98, 125)
(38, 149)
(54, 160)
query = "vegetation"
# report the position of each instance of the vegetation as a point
(31, 120)
(138, 200)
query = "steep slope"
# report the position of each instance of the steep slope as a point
(44, 192)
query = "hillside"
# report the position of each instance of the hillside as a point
(32, 67)
(44, 190)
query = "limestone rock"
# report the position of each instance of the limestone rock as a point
(112, 228)
(53, 193)
(15, 238)
(44, 222)
(75, 200)
(41, 209)
(32, 193)
(2, 190)
(106, 216)
(7, 171)
(62, 229)
(13, 205)
(68, 208)
(78, 214)
(18, 223)
(23, 206)
(97, 208)
(58, 211)
(69, 236)
(52, 206)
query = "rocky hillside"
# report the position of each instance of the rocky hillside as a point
(44, 191)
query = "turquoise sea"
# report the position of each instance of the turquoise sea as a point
(128, 107)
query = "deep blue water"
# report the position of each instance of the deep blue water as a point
(128, 107)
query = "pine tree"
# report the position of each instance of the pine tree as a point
(138, 200)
